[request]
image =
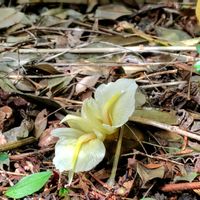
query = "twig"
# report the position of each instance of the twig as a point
(105, 185)
(180, 186)
(167, 127)
(12, 173)
(19, 143)
(163, 84)
(101, 29)
(111, 64)
(153, 157)
(68, 100)
(23, 155)
(110, 49)
(61, 29)
(37, 76)
(157, 74)
(50, 1)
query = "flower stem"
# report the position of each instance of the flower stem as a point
(111, 180)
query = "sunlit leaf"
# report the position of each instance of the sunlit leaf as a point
(28, 185)
(197, 66)
(63, 192)
(198, 48)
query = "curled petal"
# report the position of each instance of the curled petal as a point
(92, 112)
(118, 100)
(78, 123)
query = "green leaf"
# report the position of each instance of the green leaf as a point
(197, 66)
(4, 160)
(28, 185)
(198, 48)
(63, 192)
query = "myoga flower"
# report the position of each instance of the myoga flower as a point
(80, 147)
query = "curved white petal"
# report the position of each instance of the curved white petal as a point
(121, 95)
(90, 155)
(124, 107)
(64, 151)
(91, 110)
(66, 133)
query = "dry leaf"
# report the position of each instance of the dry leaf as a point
(7, 110)
(5, 113)
(2, 139)
(198, 10)
(47, 139)
(86, 82)
(112, 11)
(21, 131)
(10, 16)
(40, 123)
(149, 174)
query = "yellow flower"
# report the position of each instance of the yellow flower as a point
(77, 151)
(80, 147)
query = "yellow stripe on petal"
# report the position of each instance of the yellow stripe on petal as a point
(81, 140)
(108, 108)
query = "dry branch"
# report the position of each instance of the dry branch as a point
(167, 127)
(140, 49)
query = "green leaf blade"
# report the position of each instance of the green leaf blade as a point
(198, 48)
(28, 185)
(197, 66)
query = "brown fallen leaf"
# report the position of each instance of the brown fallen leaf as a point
(2, 139)
(5, 113)
(86, 82)
(47, 139)
(40, 123)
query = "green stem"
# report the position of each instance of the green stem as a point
(111, 180)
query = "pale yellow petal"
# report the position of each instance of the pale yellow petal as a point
(64, 151)
(91, 112)
(75, 156)
(66, 133)
(118, 99)
(124, 107)
(90, 155)
(78, 123)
